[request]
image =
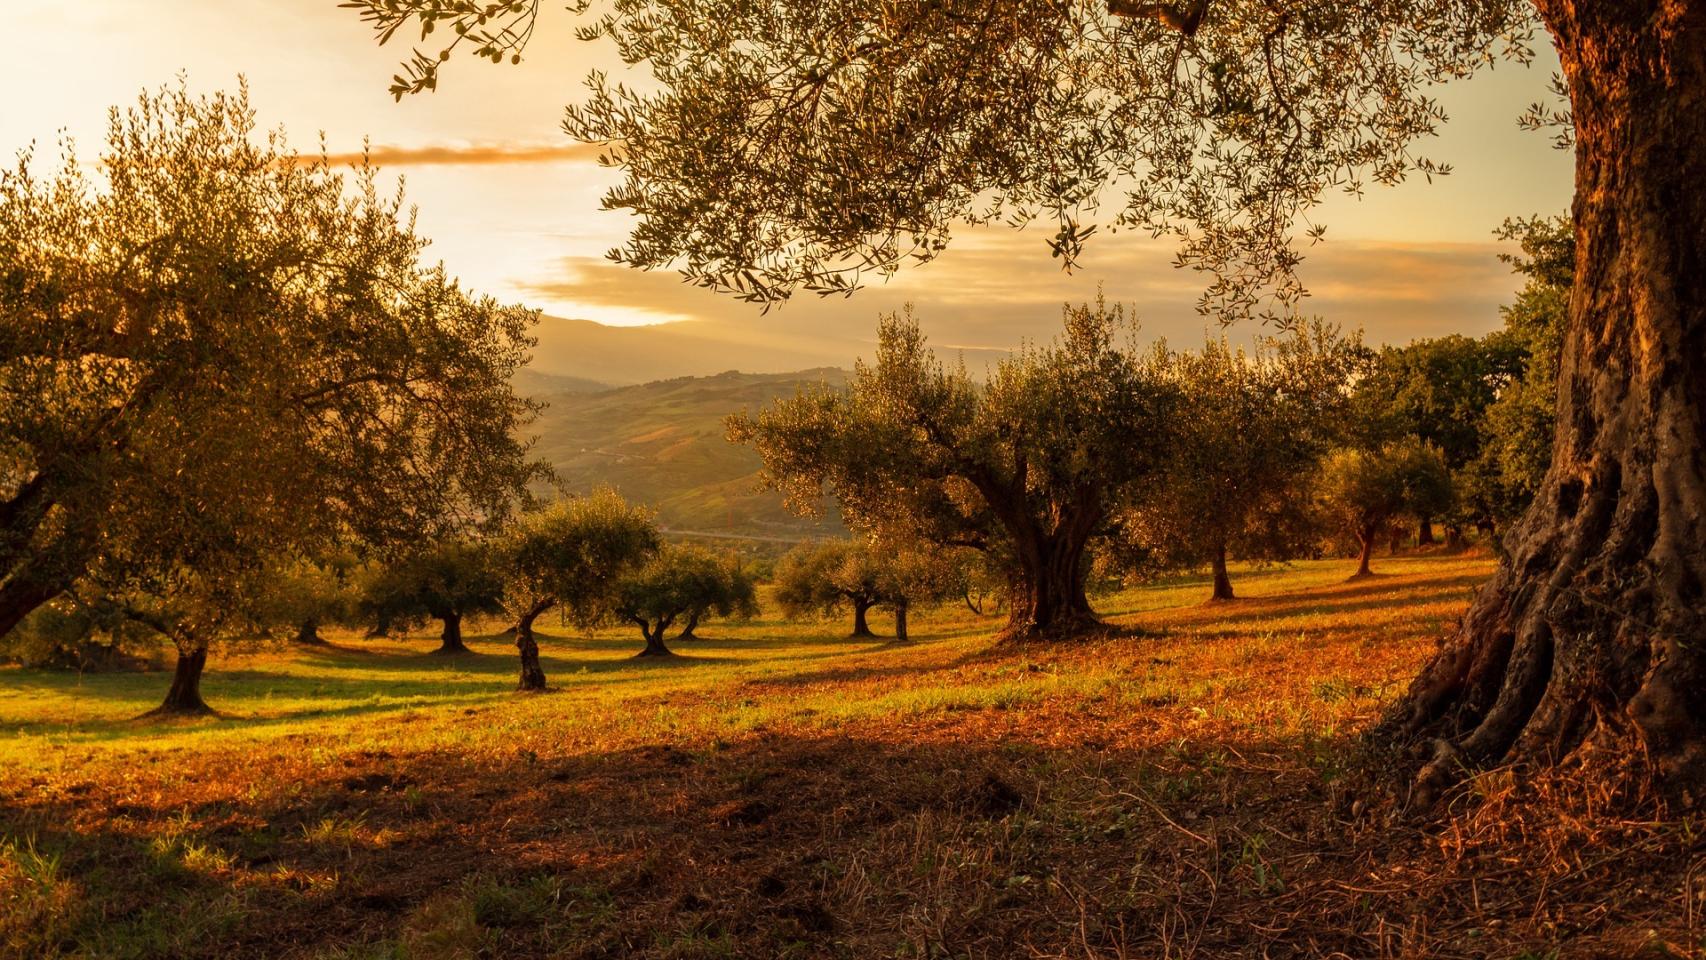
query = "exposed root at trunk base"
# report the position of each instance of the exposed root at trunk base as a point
(1075, 628)
(167, 711)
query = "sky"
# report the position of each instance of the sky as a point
(512, 205)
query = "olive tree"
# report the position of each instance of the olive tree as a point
(779, 145)
(677, 584)
(1251, 428)
(447, 582)
(215, 346)
(819, 579)
(719, 586)
(915, 576)
(1028, 464)
(1364, 490)
(302, 595)
(570, 553)
(1438, 390)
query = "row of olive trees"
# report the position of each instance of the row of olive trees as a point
(1162, 459)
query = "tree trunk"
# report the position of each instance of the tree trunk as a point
(687, 632)
(977, 607)
(450, 641)
(1222, 582)
(1454, 538)
(183, 698)
(654, 642)
(1424, 532)
(900, 621)
(1048, 600)
(1365, 538)
(308, 633)
(1588, 636)
(380, 629)
(860, 627)
(532, 674)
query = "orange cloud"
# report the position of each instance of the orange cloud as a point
(996, 288)
(387, 155)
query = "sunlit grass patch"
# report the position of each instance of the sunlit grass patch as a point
(782, 790)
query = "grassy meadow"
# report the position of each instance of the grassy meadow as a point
(1190, 785)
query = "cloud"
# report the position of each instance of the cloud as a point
(995, 289)
(488, 154)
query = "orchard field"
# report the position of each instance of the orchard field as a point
(1190, 785)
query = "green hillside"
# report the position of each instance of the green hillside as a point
(661, 443)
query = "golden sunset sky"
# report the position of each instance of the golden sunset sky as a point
(512, 206)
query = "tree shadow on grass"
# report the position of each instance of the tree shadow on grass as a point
(791, 845)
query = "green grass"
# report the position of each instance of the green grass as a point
(376, 691)
(1181, 784)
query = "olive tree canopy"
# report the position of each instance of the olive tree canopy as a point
(771, 146)
(214, 351)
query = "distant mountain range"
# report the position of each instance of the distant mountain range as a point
(661, 443)
(620, 356)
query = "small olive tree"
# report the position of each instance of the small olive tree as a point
(1363, 491)
(1251, 430)
(447, 582)
(302, 594)
(914, 576)
(570, 553)
(820, 579)
(677, 584)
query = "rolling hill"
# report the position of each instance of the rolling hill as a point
(661, 443)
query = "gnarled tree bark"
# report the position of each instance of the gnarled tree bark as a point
(1048, 599)
(532, 672)
(183, 698)
(450, 640)
(1222, 582)
(1591, 633)
(861, 607)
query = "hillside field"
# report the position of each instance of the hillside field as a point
(1189, 786)
(662, 443)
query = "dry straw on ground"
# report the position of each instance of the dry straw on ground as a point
(1187, 788)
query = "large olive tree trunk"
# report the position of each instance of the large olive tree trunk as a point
(1222, 582)
(1048, 599)
(450, 639)
(532, 672)
(861, 628)
(183, 698)
(1593, 630)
